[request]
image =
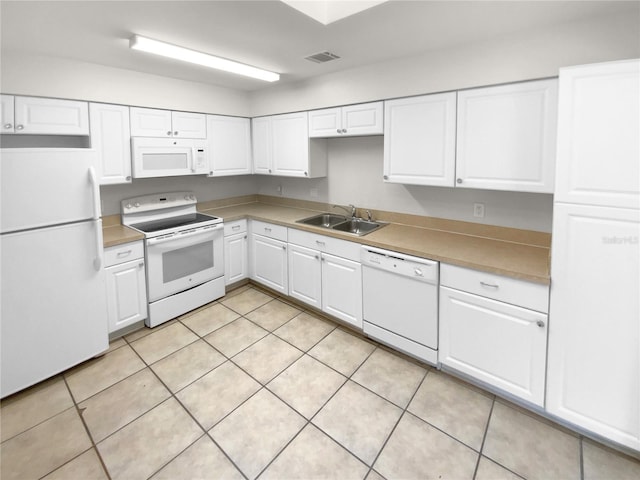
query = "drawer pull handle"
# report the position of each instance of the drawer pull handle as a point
(235, 227)
(124, 254)
(320, 243)
(489, 285)
(267, 229)
(540, 323)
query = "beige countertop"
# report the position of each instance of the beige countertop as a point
(515, 253)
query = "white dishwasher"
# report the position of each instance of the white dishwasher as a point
(400, 301)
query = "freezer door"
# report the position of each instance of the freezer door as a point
(44, 188)
(54, 312)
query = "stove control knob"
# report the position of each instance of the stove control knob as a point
(192, 197)
(186, 197)
(128, 205)
(137, 204)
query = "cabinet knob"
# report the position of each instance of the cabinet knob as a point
(386, 177)
(211, 173)
(540, 323)
(169, 133)
(269, 170)
(317, 257)
(175, 133)
(459, 180)
(344, 130)
(141, 264)
(305, 174)
(19, 127)
(128, 179)
(284, 247)
(338, 130)
(8, 126)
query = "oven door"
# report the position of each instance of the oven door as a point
(184, 260)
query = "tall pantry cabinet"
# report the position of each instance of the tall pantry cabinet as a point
(593, 378)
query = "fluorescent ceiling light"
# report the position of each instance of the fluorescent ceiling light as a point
(329, 11)
(144, 44)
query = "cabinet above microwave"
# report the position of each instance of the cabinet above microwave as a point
(168, 157)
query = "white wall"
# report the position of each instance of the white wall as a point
(63, 78)
(524, 56)
(206, 189)
(355, 176)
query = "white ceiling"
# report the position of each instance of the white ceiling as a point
(270, 34)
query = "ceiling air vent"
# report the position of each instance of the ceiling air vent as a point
(322, 57)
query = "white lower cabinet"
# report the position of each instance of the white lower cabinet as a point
(236, 265)
(498, 343)
(325, 272)
(126, 285)
(268, 256)
(342, 289)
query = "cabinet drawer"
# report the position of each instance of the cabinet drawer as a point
(322, 243)
(237, 226)
(506, 289)
(123, 253)
(270, 230)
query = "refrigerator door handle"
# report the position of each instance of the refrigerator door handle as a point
(95, 187)
(97, 261)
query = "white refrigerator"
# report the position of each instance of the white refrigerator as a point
(52, 283)
(593, 368)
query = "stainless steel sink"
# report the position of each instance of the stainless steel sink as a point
(326, 220)
(358, 226)
(355, 226)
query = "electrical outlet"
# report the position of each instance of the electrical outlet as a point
(478, 210)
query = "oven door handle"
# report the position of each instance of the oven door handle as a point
(182, 236)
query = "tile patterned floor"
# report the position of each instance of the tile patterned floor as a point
(254, 387)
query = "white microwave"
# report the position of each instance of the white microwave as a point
(168, 157)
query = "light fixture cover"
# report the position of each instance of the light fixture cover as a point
(138, 42)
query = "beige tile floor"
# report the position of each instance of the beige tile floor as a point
(253, 387)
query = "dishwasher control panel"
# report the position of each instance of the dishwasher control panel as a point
(420, 269)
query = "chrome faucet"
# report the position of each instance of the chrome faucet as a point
(351, 210)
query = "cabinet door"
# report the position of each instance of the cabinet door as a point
(235, 258)
(6, 113)
(261, 145)
(269, 262)
(150, 122)
(290, 144)
(50, 116)
(325, 123)
(305, 275)
(506, 138)
(342, 289)
(363, 119)
(599, 135)
(189, 125)
(126, 294)
(229, 141)
(110, 137)
(419, 140)
(594, 330)
(497, 343)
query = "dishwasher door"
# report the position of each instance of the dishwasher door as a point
(400, 301)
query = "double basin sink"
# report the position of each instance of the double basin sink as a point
(340, 223)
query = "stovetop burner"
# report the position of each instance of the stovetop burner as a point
(172, 222)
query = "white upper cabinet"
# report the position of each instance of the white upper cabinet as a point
(506, 137)
(352, 120)
(44, 116)
(599, 102)
(281, 146)
(151, 122)
(110, 138)
(229, 142)
(419, 140)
